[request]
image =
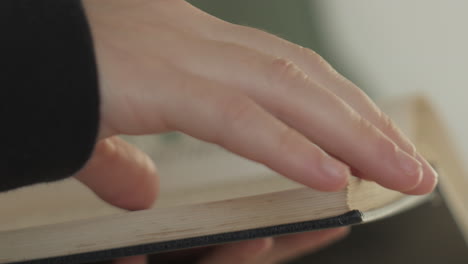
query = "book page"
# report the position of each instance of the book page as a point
(191, 172)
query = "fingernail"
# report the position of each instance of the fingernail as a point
(429, 171)
(423, 161)
(409, 165)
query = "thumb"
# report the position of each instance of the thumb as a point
(121, 174)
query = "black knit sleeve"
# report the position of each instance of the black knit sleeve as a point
(49, 107)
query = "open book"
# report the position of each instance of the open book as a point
(208, 196)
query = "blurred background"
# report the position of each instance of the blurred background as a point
(390, 49)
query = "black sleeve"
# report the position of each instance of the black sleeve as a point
(49, 108)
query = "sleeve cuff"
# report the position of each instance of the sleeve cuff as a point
(49, 91)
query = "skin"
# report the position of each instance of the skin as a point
(167, 66)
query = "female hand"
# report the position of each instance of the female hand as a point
(165, 65)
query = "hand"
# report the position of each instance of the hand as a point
(260, 251)
(165, 65)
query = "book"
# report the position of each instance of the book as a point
(208, 196)
(425, 234)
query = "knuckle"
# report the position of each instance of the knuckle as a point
(365, 127)
(387, 124)
(284, 74)
(320, 63)
(313, 56)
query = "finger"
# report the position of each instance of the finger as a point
(212, 112)
(321, 71)
(121, 175)
(291, 246)
(244, 252)
(286, 91)
(131, 260)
